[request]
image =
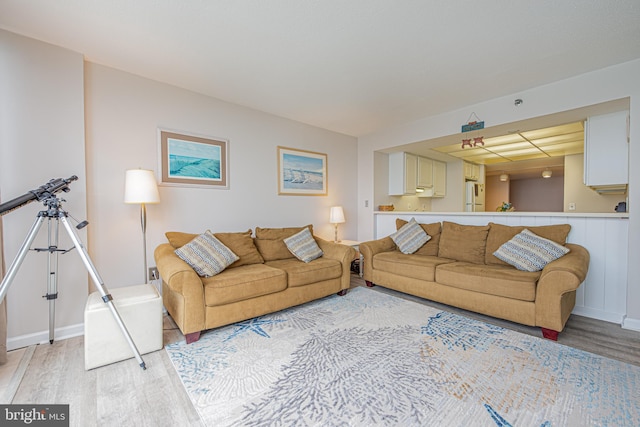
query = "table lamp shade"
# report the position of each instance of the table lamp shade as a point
(141, 187)
(336, 215)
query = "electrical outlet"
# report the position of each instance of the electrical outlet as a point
(153, 273)
(366, 203)
(572, 206)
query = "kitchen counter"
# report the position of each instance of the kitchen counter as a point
(624, 215)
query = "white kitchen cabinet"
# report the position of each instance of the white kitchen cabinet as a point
(606, 152)
(403, 169)
(425, 172)
(439, 178)
(471, 171)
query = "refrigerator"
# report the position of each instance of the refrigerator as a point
(474, 197)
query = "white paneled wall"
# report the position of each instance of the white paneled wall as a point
(603, 295)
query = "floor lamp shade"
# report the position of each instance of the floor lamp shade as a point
(140, 186)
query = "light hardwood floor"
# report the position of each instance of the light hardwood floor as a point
(122, 394)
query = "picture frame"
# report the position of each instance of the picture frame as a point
(193, 160)
(301, 172)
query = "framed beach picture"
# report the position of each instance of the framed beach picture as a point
(191, 160)
(301, 173)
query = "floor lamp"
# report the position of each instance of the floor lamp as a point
(140, 187)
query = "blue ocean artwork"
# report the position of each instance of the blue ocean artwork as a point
(194, 160)
(302, 172)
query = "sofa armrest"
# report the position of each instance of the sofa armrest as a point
(343, 253)
(180, 278)
(558, 278)
(371, 248)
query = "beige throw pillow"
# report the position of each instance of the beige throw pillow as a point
(433, 229)
(206, 255)
(500, 234)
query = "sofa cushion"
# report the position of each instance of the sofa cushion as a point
(421, 267)
(303, 246)
(503, 281)
(241, 243)
(499, 234)
(527, 251)
(433, 230)
(270, 241)
(206, 255)
(300, 273)
(463, 242)
(410, 237)
(239, 284)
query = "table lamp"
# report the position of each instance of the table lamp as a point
(336, 216)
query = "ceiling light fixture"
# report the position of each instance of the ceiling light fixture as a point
(546, 173)
(504, 177)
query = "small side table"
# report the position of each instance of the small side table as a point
(355, 245)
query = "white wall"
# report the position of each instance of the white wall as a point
(608, 84)
(124, 112)
(41, 138)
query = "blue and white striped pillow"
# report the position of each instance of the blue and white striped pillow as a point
(207, 255)
(410, 237)
(527, 251)
(303, 246)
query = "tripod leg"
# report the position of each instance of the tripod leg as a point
(17, 262)
(100, 285)
(52, 279)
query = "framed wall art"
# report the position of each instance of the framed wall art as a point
(301, 173)
(191, 160)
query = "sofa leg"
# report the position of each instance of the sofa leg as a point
(342, 292)
(370, 284)
(192, 337)
(550, 334)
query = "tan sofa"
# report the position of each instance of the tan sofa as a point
(265, 279)
(457, 267)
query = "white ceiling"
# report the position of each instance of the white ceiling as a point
(353, 66)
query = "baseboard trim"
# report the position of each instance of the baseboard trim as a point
(629, 323)
(43, 336)
(607, 316)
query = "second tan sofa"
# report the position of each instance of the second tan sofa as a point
(457, 267)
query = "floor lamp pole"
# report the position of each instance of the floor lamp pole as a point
(143, 224)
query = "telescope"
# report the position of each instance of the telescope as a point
(41, 193)
(55, 214)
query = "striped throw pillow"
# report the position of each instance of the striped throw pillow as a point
(527, 251)
(303, 246)
(207, 255)
(410, 237)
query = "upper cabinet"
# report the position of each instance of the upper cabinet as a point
(606, 152)
(439, 179)
(411, 175)
(403, 169)
(425, 172)
(471, 171)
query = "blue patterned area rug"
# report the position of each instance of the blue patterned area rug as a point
(369, 359)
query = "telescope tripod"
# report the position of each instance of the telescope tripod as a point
(59, 215)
